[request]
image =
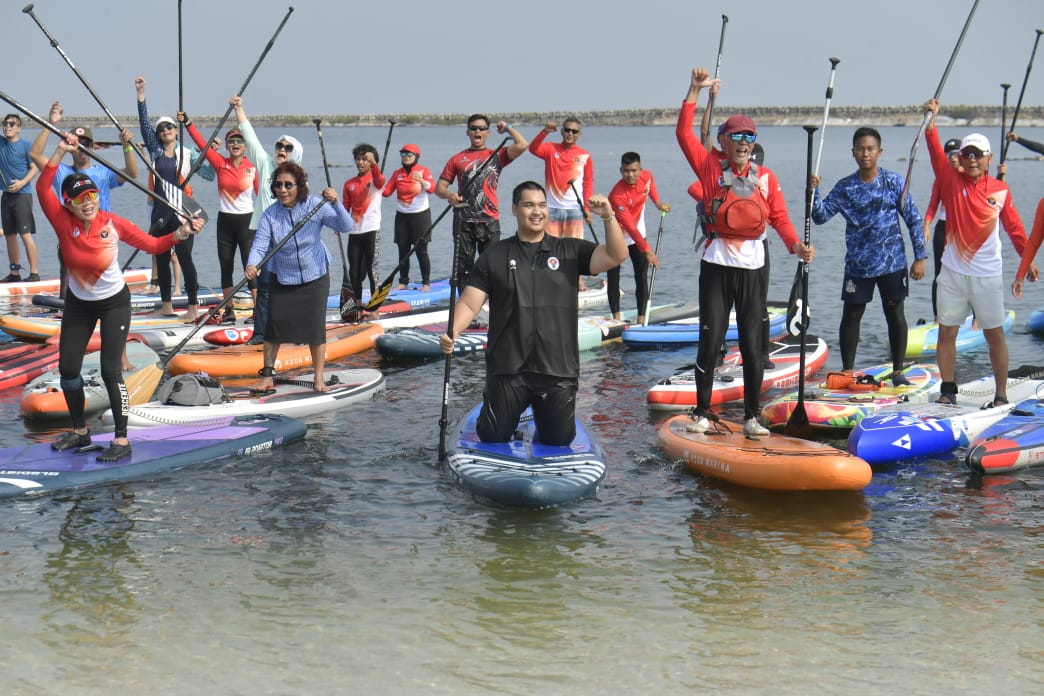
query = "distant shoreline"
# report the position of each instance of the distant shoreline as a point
(883, 116)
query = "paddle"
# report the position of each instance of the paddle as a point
(717, 72)
(181, 80)
(384, 288)
(1018, 105)
(154, 374)
(172, 192)
(444, 417)
(652, 273)
(797, 305)
(189, 208)
(927, 116)
(1004, 117)
(377, 237)
(349, 308)
(583, 209)
(217, 129)
(797, 424)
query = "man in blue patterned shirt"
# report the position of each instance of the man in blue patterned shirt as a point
(875, 252)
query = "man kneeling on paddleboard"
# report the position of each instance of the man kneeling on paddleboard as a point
(530, 281)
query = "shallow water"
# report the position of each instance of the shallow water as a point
(349, 563)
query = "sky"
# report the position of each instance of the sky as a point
(447, 56)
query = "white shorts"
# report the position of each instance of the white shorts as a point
(959, 294)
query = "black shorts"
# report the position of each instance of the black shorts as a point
(893, 286)
(16, 214)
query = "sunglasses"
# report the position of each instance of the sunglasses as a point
(571, 131)
(277, 185)
(11, 124)
(84, 198)
(742, 137)
(86, 143)
(165, 127)
(407, 153)
(973, 154)
(235, 141)
(287, 147)
(478, 128)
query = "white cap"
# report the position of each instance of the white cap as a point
(977, 140)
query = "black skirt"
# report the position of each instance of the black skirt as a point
(297, 313)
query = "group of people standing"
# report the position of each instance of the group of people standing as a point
(531, 279)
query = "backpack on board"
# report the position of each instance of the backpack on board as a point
(192, 390)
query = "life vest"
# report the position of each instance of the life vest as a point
(738, 210)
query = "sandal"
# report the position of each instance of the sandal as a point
(999, 401)
(947, 393)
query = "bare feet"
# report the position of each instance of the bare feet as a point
(426, 288)
(400, 286)
(192, 313)
(318, 384)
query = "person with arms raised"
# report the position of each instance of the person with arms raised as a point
(738, 208)
(971, 279)
(479, 222)
(362, 199)
(88, 239)
(530, 281)
(411, 185)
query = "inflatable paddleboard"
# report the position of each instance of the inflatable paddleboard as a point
(774, 462)
(686, 332)
(134, 276)
(1014, 442)
(290, 397)
(922, 339)
(35, 469)
(679, 391)
(841, 407)
(525, 473)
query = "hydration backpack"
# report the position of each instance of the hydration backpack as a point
(192, 390)
(738, 210)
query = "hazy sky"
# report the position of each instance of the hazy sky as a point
(435, 56)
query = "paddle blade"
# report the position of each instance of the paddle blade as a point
(142, 384)
(181, 202)
(379, 297)
(797, 424)
(798, 312)
(351, 312)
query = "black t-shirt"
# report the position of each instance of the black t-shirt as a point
(532, 304)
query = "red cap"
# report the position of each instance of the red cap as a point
(410, 147)
(738, 124)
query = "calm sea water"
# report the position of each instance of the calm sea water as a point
(350, 563)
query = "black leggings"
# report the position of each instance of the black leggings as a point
(553, 400)
(938, 245)
(78, 322)
(184, 252)
(361, 250)
(640, 263)
(233, 232)
(722, 287)
(895, 318)
(410, 229)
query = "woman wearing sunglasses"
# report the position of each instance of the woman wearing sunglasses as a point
(411, 185)
(172, 161)
(88, 240)
(300, 270)
(237, 187)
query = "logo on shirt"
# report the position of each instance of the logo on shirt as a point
(553, 263)
(104, 234)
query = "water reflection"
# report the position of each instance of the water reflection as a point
(93, 574)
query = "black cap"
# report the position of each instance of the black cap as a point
(952, 145)
(75, 184)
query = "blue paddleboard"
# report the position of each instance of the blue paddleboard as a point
(524, 473)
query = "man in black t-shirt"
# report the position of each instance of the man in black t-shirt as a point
(530, 281)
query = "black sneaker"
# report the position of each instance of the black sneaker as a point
(115, 453)
(32, 278)
(12, 278)
(71, 440)
(900, 380)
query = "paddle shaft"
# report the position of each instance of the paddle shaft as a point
(583, 209)
(448, 366)
(383, 288)
(797, 424)
(28, 9)
(938, 93)
(1004, 117)
(181, 79)
(652, 273)
(377, 237)
(826, 112)
(1022, 91)
(43, 123)
(239, 286)
(717, 66)
(228, 111)
(329, 184)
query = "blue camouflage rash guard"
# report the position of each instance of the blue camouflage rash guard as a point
(873, 241)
